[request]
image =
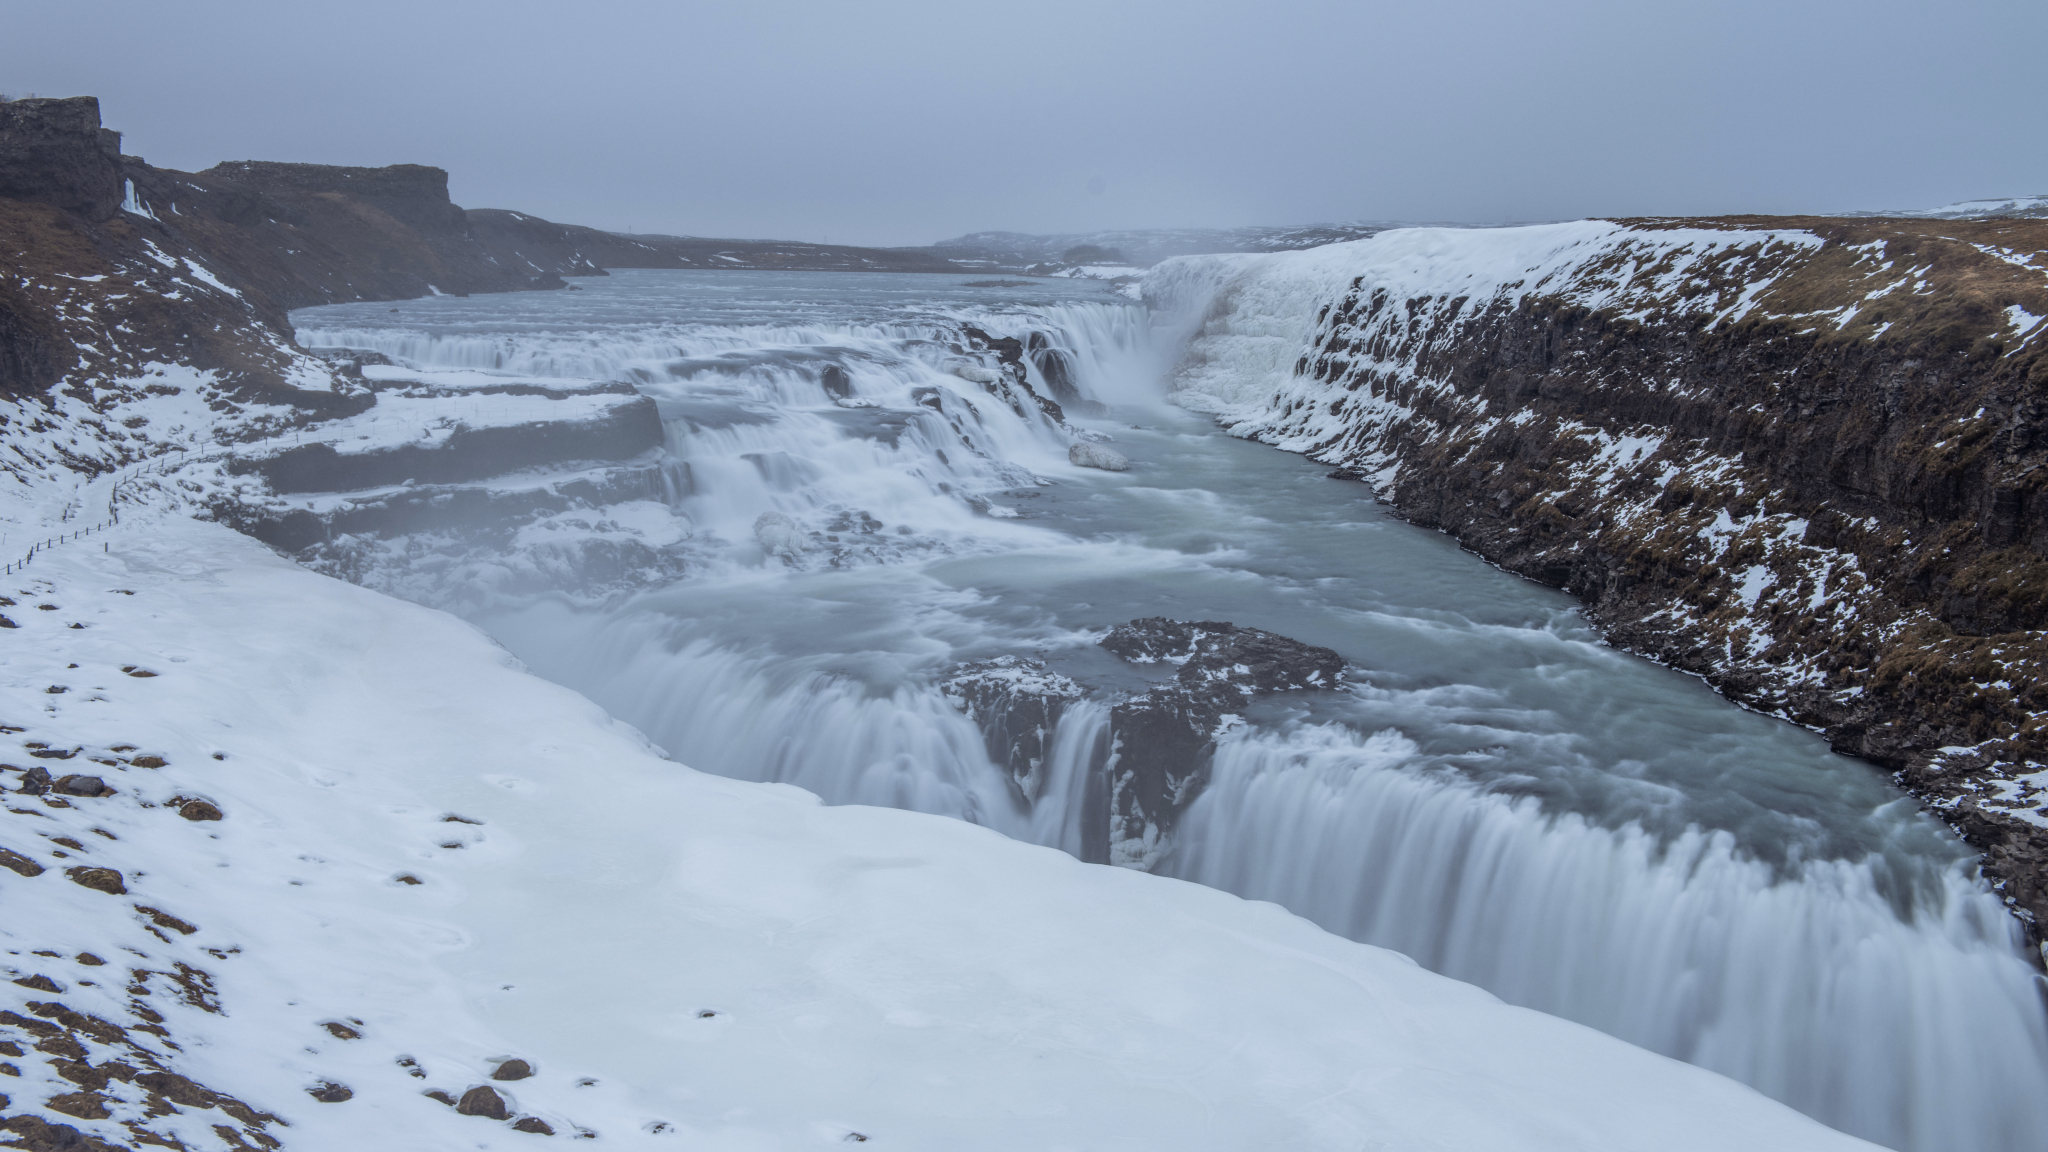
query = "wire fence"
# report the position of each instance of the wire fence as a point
(160, 466)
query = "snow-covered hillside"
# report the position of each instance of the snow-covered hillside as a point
(2014, 206)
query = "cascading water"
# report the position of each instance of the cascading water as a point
(1496, 794)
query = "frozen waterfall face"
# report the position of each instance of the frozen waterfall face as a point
(881, 560)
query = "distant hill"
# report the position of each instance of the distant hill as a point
(1139, 248)
(2012, 207)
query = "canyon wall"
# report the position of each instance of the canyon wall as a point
(1803, 458)
(145, 331)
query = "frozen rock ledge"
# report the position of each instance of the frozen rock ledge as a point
(1096, 456)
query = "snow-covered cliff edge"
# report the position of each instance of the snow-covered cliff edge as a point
(1803, 457)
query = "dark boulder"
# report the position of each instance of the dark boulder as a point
(16, 862)
(1166, 738)
(837, 383)
(99, 880)
(1017, 703)
(1152, 758)
(483, 1100)
(1251, 661)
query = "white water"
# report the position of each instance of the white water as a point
(1499, 796)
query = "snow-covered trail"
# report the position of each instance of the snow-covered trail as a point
(687, 960)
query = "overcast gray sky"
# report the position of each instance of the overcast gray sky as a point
(906, 121)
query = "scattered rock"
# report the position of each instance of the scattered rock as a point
(37, 1135)
(198, 810)
(408, 878)
(18, 863)
(452, 818)
(340, 1031)
(149, 762)
(90, 960)
(977, 374)
(437, 1094)
(40, 983)
(84, 1105)
(95, 1079)
(166, 920)
(1096, 456)
(328, 1092)
(83, 786)
(779, 536)
(533, 1124)
(54, 690)
(99, 880)
(178, 1089)
(483, 1100)
(512, 1070)
(45, 752)
(35, 781)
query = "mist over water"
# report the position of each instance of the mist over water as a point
(1495, 793)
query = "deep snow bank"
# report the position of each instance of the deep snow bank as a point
(1804, 458)
(684, 959)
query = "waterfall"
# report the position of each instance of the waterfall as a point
(1862, 974)
(1806, 982)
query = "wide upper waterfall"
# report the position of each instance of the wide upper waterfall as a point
(867, 485)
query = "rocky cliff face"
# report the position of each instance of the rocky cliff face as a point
(55, 152)
(1152, 759)
(1803, 458)
(153, 334)
(306, 234)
